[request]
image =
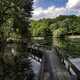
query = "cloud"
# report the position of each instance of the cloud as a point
(50, 12)
(71, 8)
(34, 0)
(75, 4)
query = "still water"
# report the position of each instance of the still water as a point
(69, 50)
(69, 47)
(15, 63)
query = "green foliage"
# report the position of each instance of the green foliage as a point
(14, 24)
(58, 32)
(20, 12)
(15, 65)
(38, 27)
(48, 36)
(60, 25)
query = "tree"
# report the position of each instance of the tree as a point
(15, 19)
(48, 36)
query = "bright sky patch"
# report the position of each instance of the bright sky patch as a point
(54, 8)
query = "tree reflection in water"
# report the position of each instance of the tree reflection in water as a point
(68, 47)
(14, 63)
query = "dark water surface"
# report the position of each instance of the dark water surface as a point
(15, 63)
(68, 47)
(68, 50)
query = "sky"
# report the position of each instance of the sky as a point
(54, 8)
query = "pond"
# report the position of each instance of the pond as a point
(15, 63)
(69, 47)
(68, 50)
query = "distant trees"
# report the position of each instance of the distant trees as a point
(48, 36)
(60, 25)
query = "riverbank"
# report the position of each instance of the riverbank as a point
(74, 36)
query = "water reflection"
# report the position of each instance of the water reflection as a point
(69, 47)
(14, 63)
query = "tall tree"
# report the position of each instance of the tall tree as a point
(15, 17)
